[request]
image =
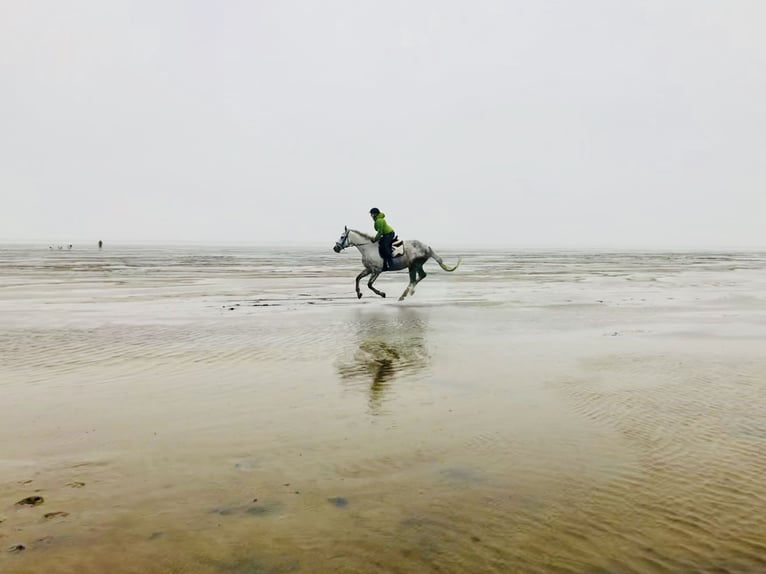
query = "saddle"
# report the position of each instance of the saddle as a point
(397, 247)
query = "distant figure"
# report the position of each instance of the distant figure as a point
(100, 244)
(386, 237)
(69, 246)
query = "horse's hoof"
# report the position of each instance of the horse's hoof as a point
(358, 295)
(383, 295)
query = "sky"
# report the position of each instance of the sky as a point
(603, 124)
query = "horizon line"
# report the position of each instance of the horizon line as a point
(446, 245)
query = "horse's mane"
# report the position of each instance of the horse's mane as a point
(366, 236)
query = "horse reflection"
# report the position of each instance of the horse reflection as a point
(387, 347)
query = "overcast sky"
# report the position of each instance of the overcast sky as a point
(510, 123)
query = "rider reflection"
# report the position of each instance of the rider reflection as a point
(387, 346)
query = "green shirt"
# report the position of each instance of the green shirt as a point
(381, 226)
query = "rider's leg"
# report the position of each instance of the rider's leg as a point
(386, 244)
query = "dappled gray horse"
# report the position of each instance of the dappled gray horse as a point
(414, 256)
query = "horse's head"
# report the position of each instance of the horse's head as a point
(343, 242)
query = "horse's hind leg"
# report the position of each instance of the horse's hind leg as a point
(411, 287)
(421, 274)
(375, 275)
(364, 273)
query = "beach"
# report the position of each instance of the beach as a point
(237, 409)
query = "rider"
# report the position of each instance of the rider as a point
(385, 235)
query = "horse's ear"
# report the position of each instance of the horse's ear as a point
(345, 228)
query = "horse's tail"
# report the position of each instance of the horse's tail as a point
(441, 263)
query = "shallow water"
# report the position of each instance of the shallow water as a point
(222, 409)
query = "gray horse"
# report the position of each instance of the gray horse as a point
(414, 256)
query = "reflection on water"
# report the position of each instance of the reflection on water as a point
(385, 346)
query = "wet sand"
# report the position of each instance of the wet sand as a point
(239, 410)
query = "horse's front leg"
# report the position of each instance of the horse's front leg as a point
(375, 275)
(364, 273)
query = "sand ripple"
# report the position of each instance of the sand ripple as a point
(695, 483)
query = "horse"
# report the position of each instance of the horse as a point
(415, 255)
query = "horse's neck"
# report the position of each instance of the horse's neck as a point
(361, 242)
(358, 239)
